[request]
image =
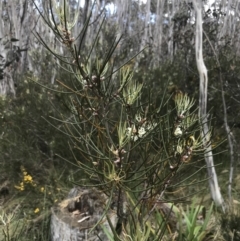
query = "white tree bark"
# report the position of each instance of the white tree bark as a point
(203, 90)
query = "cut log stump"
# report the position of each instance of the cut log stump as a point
(74, 218)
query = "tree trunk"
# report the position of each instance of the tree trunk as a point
(203, 89)
(76, 218)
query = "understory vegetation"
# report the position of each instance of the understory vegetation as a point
(131, 130)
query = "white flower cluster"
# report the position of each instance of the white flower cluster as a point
(142, 129)
(178, 132)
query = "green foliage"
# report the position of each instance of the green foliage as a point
(26, 136)
(130, 135)
(129, 148)
(16, 226)
(30, 171)
(194, 224)
(140, 226)
(230, 223)
(133, 135)
(12, 229)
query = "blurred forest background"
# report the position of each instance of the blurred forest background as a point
(158, 36)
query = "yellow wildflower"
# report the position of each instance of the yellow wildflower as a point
(37, 210)
(20, 187)
(27, 179)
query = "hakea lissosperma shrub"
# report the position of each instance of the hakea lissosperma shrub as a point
(121, 143)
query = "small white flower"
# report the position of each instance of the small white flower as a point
(129, 131)
(138, 118)
(151, 126)
(135, 138)
(178, 132)
(133, 133)
(179, 149)
(141, 132)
